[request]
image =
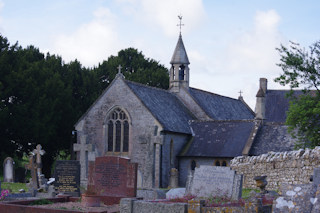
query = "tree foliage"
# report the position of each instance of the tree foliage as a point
(301, 68)
(41, 97)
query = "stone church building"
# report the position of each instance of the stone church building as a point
(182, 127)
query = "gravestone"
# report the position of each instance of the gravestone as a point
(38, 152)
(173, 178)
(67, 177)
(33, 184)
(85, 151)
(113, 177)
(216, 181)
(8, 170)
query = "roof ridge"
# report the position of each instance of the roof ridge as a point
(211, 93)
(220, 121)
(151, 87)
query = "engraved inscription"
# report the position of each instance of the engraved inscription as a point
(67, 174)
(109, 175)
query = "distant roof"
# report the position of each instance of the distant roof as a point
(277, 104)
(218, 138)
(220, 107)
(180, 54)
(164, 106)
(272, 137)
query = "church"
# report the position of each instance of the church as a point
(181, 128)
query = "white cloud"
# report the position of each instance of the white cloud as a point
(254, 51)
(92, 42)
(163, 13)
(250, 55)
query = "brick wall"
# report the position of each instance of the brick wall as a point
(294, 167)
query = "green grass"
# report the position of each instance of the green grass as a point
(246, 192)
(14, 187)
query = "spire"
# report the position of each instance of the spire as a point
(180, 54)
(179, 71)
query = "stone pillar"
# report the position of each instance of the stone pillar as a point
(157, 166)
(174, 174)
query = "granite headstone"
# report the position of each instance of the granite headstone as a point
(216, 181)
(67, 177)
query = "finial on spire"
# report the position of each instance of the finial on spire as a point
(180, 24)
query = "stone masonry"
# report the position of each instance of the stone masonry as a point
(294, 167)
(141, 137)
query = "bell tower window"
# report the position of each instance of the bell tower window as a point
(181, 72)
(117, 132)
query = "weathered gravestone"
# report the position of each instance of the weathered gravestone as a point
(113, 177)
(216, 181)
(8, 170)
(67, 177)
(32, 166)
(38, 152)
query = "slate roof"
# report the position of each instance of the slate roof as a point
(272, 137)
(180, 54)
(220, 107)
(277, 104)
(164, 106)
(218, 138)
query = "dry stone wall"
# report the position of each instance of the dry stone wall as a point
(294, 167)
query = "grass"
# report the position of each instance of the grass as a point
(246, 192)
(41, 202)
(14, 187)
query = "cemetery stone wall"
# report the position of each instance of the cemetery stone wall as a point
(294, 167)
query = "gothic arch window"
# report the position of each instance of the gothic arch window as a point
(117, 131)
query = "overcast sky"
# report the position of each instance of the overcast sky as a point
(230, 43)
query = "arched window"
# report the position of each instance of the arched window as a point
(117, 130)
(224, 163)
(217, 163)
(181, 72)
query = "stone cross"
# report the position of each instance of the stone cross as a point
(38, 152)
(33, 169)
(119, 69)
(240, 93)
(83, 148)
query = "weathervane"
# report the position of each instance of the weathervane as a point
(180, 24)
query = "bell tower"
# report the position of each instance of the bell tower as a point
(179, 71)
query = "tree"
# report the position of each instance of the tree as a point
(41, 97)
(135, 68)
(301, 68)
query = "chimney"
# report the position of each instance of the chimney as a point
(264, 84)
(261, 99)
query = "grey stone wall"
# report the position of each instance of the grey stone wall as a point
(141, 133)
(294, 167)
(179, 140)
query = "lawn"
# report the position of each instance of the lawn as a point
(14, 187)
